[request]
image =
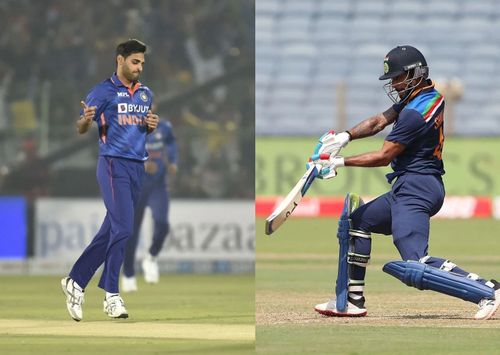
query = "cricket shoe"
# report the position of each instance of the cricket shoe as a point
(74, 298)
(150, 268)
(114, 307)
(488, 307)
(355, 308)
(129, 284)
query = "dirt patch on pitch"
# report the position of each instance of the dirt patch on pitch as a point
(127, 329)
(417, 310)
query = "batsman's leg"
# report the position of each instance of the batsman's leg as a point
(441, 275)
(469, 287)
(354, 253)
(423, 197)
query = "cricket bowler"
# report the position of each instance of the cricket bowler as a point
(121, 108)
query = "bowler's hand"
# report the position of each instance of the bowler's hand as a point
(88, 112)
(86, 119)
(152, 120)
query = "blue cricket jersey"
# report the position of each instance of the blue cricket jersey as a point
(419, 127)
(162, 148)
(120, 117)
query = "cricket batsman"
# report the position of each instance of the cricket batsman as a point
(121, 108)
(414, 149)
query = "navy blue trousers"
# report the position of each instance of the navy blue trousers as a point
(404, 212)
(120, 183)
(155, 195)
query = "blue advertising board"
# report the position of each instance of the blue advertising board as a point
(13, 227)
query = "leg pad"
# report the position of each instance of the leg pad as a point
(351, 202)
(425, 277)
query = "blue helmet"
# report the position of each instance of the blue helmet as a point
(400, 60)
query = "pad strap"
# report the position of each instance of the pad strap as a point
(359, 233)
(358, 259)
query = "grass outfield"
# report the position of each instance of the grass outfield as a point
(188, 314)
(296, 269)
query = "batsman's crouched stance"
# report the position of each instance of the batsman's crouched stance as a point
(414, 150)
(425, 273)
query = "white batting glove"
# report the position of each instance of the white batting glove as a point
(329, 164)
(332, 143)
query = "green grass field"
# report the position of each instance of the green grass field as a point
(296, 269)
(183, 314)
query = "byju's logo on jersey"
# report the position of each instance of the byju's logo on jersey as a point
(132, 108)
(122, 108)
(143, 96)
(122, 94)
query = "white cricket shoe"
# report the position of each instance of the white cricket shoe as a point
(329, 309)
(488, 307)
(114, 307)
(74, 298)
(129, 284)
(150, 268)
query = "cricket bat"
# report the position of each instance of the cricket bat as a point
(292, 200)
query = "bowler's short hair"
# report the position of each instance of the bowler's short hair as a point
(129, 47)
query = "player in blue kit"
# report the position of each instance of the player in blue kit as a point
(162, 162)
(121, 107)
(414, 149)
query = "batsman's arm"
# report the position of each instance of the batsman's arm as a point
(373, 125)
(383, 157)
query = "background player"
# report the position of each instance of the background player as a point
(414, 149)
(121, 106)
(162, 150)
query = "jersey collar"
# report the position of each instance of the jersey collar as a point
(416, 92)
(114, 79)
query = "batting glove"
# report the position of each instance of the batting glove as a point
(332, 143)
(329, 164)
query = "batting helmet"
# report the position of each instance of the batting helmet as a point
(400, 60)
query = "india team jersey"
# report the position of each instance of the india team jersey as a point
(162, 148)
(419, 127)
(120, 118)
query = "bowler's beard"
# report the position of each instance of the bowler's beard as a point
(132, 77)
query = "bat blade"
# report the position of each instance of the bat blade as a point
(291, 201)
